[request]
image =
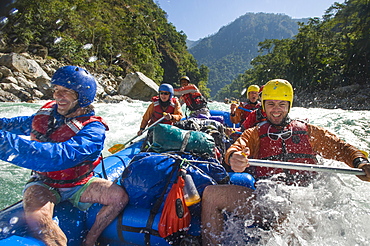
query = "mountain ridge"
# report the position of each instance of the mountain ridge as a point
(228, 52)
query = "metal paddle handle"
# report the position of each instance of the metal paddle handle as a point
(154, 124)
(305, 167)
(118, 147)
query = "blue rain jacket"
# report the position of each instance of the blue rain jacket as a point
(86, 145)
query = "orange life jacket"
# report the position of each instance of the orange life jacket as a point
(41, 132)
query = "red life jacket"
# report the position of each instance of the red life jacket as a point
(158, 110)
(249, 106)
(297, 149)
(194, 101)
(254, 118)
(73, 176)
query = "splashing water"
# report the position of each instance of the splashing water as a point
(93, 58)
(87, 46)
(57, 40)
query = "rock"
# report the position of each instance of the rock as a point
(28, 67)
(8, 97)
(43, 85)
(110, 90)
(354, 97)
(5, 71)
(24, 83)
(38, 50)
(37, 94)
(16, 90)
(138, 86)
(9, 79)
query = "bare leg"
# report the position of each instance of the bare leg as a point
(114, 199)
(217, 198)
(38, 204)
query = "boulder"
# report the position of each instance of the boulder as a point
(6, 96)
(138, 86)
(5, 71)
(44, 86)
(30, 68)
(16, 90)
(9, 79)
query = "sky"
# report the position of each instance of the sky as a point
(201, 18)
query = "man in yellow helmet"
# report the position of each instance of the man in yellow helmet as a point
(238, 113)
(279, 138)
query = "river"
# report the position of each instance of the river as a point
(332, 211)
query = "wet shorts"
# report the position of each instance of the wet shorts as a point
(72, 194)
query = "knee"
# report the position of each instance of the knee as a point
(209, 197)
(120, 198)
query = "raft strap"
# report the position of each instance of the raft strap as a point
(148, 230)
(185, 141)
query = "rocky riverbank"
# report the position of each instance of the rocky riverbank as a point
(353, 97)
(26, 78)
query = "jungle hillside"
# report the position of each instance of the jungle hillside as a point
(230, 51)
(105, 35)
(327, 54)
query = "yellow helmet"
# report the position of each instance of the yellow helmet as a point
(186, 78)
(252, 88)
(277, 89)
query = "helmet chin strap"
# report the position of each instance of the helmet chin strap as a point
(72, 110)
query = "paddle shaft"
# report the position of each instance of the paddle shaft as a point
(305, 167)
(248, 110)
(155, 123)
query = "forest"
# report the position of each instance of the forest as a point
(105, 35)
(230, 51)
(327, 53)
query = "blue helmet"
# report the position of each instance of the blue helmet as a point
(166, 87)
(79, 80)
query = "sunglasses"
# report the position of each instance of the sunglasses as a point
(276, 135)
(164, 93)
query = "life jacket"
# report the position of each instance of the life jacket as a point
(194, 101)
(42, 131)
(250, 106)
(260, 116)
(297, 149)
(254, 118)
(158, 110)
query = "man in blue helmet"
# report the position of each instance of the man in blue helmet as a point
(66, 143)
(163, 105)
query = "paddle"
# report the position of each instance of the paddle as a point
(117, 147)
(305, 167)
(248, 110)
(243, 92)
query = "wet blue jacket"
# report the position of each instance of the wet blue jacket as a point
(86, 145)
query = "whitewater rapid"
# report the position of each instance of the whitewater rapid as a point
(332, 211)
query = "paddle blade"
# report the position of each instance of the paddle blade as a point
(115, 148)
(243, 92)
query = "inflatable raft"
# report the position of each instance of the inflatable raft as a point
(130, 228)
